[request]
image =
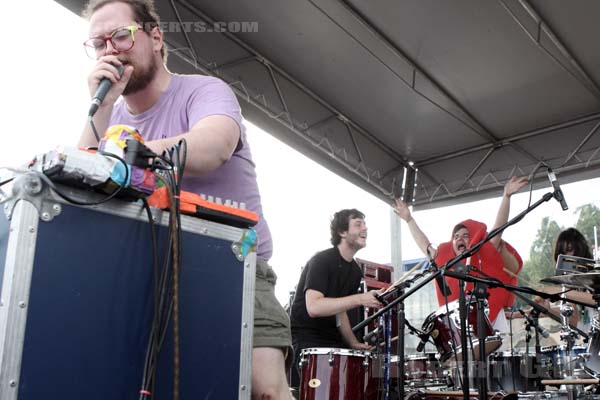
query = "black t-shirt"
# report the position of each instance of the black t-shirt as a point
(328, 273)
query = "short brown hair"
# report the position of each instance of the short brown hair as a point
(458, 227)
(144, 13)
(340, 223)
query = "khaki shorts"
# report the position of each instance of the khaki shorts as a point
(271, 323)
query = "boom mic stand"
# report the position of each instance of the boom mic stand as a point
(402, 323)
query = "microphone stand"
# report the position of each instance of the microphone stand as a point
(527, 341)
(462, 312)
(481, 296)
(538, 347)
(532, 321)
(401, 322)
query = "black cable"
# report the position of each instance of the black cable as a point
(91, 120)
(150, 348)
(173, 191)
(171, 164)
(163, 302)
(71, 200)
(543, 164)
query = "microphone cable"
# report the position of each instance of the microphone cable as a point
(171, 165)
(71, 200)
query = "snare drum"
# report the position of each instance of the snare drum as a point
(514, 372)
(336, 374)
(443, 326)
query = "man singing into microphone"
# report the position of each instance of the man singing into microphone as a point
(166, 108)
(328, 288)
(496, 258)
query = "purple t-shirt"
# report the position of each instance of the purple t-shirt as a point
(188, 99)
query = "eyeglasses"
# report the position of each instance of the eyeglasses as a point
(121, 39)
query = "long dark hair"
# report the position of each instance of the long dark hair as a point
(575, 240)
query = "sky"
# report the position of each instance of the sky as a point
(46, 100)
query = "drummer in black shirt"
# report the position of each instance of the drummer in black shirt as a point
(328, 288)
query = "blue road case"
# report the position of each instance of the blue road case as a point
(77, 301)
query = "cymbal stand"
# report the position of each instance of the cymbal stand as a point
(568, 336)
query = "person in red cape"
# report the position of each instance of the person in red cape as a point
(495, 258)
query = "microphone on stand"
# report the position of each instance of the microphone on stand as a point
(371, 337)
(543, 331)
(558, 194)
(101, 91)
(424, 337)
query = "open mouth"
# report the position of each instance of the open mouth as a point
(461, 247)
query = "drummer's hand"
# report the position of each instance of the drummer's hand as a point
(401, 210)
(361, 346)
(369, 300)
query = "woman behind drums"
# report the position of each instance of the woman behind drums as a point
(571, 242)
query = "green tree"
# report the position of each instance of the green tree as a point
(589, 217)
(541, 255)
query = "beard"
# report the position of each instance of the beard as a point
(142, 77)
(355, 244)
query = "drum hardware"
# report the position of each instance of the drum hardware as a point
(436, 273)
(558, 360)
(589, 281)
(593, 363)
(511, 372)
(398, 290)
(302, 361)
(481, 295)
(532, 321)
(443, 328)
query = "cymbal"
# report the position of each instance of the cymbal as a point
(588, 280)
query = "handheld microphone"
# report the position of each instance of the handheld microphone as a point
(558, 194)
(543, 331)
(103, 88)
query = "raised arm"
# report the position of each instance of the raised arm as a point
(401, 209)
(511, 187)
